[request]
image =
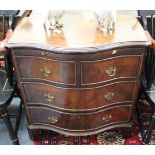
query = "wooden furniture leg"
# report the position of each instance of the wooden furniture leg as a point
(148, 134)
(6, 119)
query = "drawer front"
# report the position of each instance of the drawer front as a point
(99, 71)
(70, 121)
(47, 69)
(79, 99)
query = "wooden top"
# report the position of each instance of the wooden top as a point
(78, 33)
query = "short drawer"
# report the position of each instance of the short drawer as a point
(79, 99)
(46, 69)
(108, 69)
(85, 121)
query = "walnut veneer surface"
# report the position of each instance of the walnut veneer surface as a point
(81, 81)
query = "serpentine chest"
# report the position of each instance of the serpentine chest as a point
(81, 81)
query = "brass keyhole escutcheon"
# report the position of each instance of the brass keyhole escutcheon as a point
(46, 71)
(52, 119)
(109, 95)
(111, 71)
(106, 118)
(49, 97)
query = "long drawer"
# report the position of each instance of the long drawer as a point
(108, 69)
(47, 69)
(79, 99)
(71, 121)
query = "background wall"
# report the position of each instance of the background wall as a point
(128, 12)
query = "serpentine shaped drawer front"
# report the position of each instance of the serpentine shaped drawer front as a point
(71, 121)
(79, 99)
(46, 69)
(108, 69)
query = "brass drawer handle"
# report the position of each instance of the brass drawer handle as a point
(107, 118)
(46, 71)
(111, 71)
(52, 119)
(49, 97)
(109, 95)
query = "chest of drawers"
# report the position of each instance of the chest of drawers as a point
(78, 85)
